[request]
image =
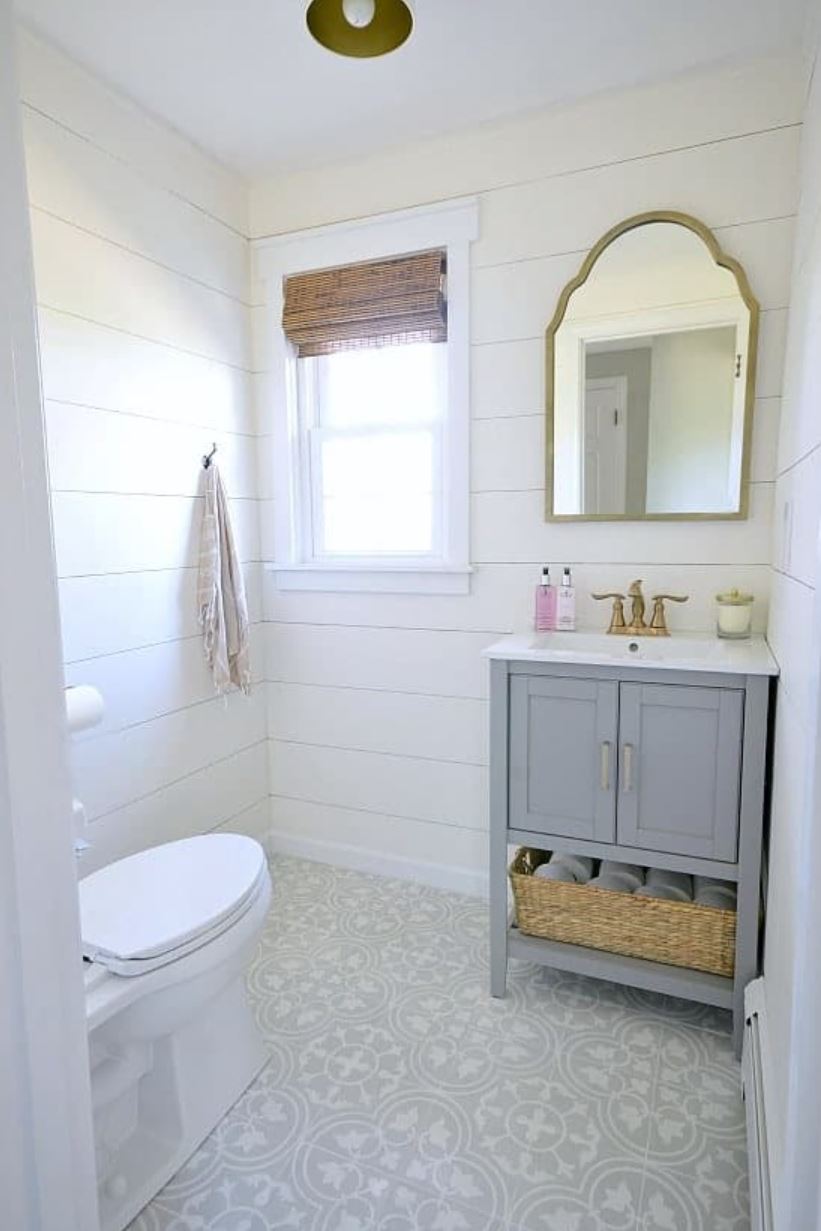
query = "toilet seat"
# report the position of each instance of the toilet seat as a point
(155, 907)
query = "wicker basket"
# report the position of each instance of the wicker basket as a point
(677, 933)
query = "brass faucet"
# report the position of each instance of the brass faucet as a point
(638, 627)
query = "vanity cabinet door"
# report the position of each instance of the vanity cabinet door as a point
(680, 768)
(563, 746)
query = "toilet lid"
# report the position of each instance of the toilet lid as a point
(159, 900)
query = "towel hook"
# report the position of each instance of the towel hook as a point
(206, 461)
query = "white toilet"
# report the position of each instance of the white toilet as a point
(168, 935)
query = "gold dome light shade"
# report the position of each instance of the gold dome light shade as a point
(360, 28)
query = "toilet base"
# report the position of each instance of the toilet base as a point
(156, 1101)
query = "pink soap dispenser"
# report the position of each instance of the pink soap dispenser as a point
(545, 604)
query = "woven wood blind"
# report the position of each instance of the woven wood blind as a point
(377, 303)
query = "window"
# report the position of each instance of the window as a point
(371, 423)
(368, 391)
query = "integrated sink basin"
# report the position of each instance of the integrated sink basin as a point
(684, 652)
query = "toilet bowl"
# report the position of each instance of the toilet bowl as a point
(168, 935)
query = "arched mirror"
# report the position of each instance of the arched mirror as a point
(650, 378)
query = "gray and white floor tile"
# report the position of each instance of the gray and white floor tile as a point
(399, 1096)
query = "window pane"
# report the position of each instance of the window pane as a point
(377, 493)
(377, 465)
(382, 385)
(367, 526)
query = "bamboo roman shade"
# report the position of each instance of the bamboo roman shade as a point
(377, 303)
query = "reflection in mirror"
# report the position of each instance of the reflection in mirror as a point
(651, 356)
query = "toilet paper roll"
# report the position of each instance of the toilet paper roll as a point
(84, 707)
(629, 871)
(677, 880)
(613, 882)
(580, 865)
(665, 893)
(555, 872)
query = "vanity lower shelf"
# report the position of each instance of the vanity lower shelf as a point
(637, 972)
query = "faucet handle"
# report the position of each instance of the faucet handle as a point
(617, 623)
(658, 622)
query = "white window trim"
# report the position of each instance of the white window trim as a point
(452, 226)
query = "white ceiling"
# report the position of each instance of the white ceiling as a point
(244, 80)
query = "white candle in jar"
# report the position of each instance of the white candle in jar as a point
(735, 614)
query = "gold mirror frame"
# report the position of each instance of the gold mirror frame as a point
(726, 262)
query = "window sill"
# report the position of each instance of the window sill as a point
(373, 579)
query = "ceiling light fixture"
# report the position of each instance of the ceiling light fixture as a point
(360, 28)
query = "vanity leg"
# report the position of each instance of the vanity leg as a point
(498, 828)
(498, 912)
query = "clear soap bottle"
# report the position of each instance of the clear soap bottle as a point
(566, 605)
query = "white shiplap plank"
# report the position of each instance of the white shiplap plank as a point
(77, 181)
(510, 526)
(76, 272)
(766, 420)
(438, 791)
(52, 83)
(90, 364)
(507, 378)
(425, 852)
(140, 685)
(115, 612)
(115, 769)
(720, 183)
(104, 451)
(772, 336)
(398, 660)
(791, 632)
(206, 799)
(436, 728)
(797, 518)
(118, 534)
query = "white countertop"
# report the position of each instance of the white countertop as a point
(678, 652)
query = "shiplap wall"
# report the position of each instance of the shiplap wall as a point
(141, 264)
(791, 968)
(376, 703)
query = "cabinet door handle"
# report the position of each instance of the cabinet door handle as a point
(627, 766)
(605, 765)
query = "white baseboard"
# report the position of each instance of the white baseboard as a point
(438, 876)
(757, 1079)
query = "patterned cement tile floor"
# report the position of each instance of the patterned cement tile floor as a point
(400, 1096)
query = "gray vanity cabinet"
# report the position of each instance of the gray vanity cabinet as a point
(639, 763)
(563, 736)
(680, 767)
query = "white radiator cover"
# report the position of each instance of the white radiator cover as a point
(756, 1079)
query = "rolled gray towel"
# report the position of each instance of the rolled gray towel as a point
(665, 893)
(616, 884)
(721, 895)
(580, 865)
(630, 872)
(555, 872)
(677, 880)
